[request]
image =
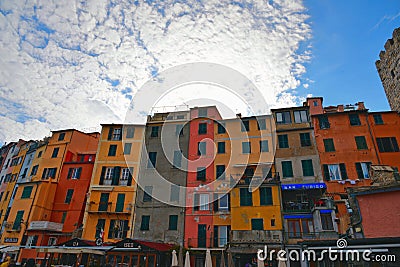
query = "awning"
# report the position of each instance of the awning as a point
(74, 250)
(9, 249)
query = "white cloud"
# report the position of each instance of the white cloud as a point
(76, 64)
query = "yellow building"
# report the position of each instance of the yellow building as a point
(110, 205)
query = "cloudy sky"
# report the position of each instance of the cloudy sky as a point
(76, 64)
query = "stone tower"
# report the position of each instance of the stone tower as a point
(389, 70)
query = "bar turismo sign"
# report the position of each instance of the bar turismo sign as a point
(303, 186)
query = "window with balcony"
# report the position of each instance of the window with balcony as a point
(246, 197)
(354, 120)
(307, 167)
(300, 116)
(378, 119)
(305, 139)
(329, 145)
(118, 229)
(361, 142)
(173, 222)
(154, 131)
(362, 169)
(283, 117)
(387, 144)
(283, 141)
(287, 169)
(257, 224)
(202, 128)
(264, 146)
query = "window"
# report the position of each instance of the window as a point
(246, 147)
(49, 173)
(177, 159)
(223, 202)
(148, 191)
(305, 139)
(245, 197)
(52, 241)
(173, 222)
(118, 229)
(68, 197)
(152, 160)
(221, 128)
(127, 148)
(378, 119)
(361, 142)
(354, 120)
(245, 126)
(202, 128)
(103, 204)
(221, 148)
(326, 221)
(34, 170)
(201, 148)
(108, 175)
(119, 207)
(202, 112)
(307, 166)
(130, 132)
(179, 130)
(74, 173)
(220, 171)
(175, 191)
(324, 122)
(112, 151)
(204, 202)
(100, 227)
(283, 117)
(26, 193)
(300, 116)
(265, 196)
(264, 146)
(266, 172)
(63, 217)
(335, 171)
(31, 240)
(114, 134)
(287, 170)
(18, 220)
(154, 131)
(180, 117)
(55, 152)
(315, 103)
(272, 222)
(61, 136)
(283, 141)
(362, 169)
(39, 154)
(329, 145)
(201, 173)
(257, 224)
(387, 144)
(222, 235)
(261, 124)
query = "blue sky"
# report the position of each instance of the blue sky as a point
(347, 39)
(77, 66)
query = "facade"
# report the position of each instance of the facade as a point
(388, 67)
(109, 211)
(160, 200)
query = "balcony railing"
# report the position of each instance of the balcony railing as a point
(297, 207)
(256, 236)
(246, 179)
(323, 235)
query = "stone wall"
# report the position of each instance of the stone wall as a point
(389, 70)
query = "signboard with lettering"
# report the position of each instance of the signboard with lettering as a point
(10, 240)
(303, 186)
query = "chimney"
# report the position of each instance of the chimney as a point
(361, 106)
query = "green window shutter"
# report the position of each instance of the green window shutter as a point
(111, 229)
(221, 147)
(329, 145)
(265, 196)
(215, 236)
(326, 172)
(116, 175)
(196, 202)
(246, 197)
(110, 133)
(126, 228)
(130, 176)
(173, 222)
(120, 203)
(359, 170)
(361, 142)
(103, 205)
(17, 221)
(343, 171)
(68, 197)
(26, 193)
(283, 141)
(70, 172)
(112, 150)
(103, 173)
(100, 226)
(145, 225)
(287, 170)
(307, 167)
